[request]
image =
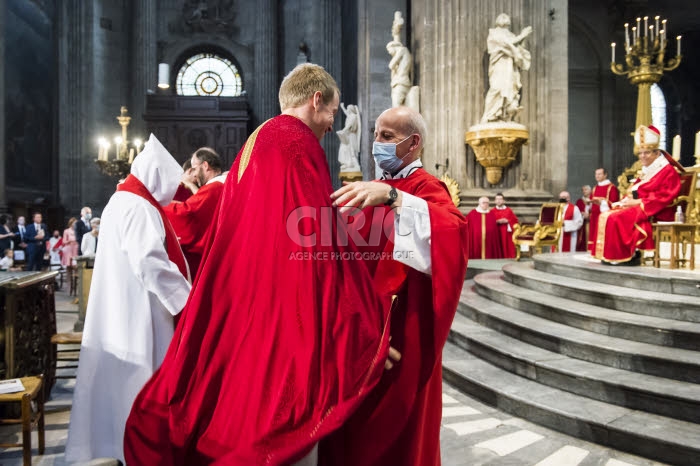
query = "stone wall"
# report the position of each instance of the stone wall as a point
(450, 46)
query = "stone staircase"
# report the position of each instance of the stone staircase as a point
(607, 354)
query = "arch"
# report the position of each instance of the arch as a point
(208, 73)
(177, 52)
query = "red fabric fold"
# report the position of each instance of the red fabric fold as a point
(279, 342)
(135, 186)
(399, 422)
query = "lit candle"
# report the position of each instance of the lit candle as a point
(612, 46)
(638, 26)
(676, 152)
(697, 144)
(634, 36)
(137, 143)
(678, 46)
(627, 36)
(657, 22)
(646, 25)
(651, 32)
(131, 155)
(662, 35)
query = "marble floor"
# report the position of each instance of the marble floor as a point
(472, 433)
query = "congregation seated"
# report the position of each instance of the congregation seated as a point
(626, 230)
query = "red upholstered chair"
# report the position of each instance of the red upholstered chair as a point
(545, 232)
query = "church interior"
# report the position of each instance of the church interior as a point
(565, 359)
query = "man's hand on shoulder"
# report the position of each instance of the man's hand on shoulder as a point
(361, 194)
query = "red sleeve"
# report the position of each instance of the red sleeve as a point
(191, 218)
(658, 193)
(614, 195)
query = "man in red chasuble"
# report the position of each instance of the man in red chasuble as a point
(604, 195)
(626, 229)
(483, 232)
(506, 221)
(399, 422)
(280, 340)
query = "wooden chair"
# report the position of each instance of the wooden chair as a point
(33, 391)
(545, 232)
(71, 354)
(678, 235)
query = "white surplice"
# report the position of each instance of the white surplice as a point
(135, 292)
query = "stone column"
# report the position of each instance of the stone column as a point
(373, 76)
(328, 53)
(3, 181)
(265, 102)
(75, 28)
(452, 64)
(144, 66)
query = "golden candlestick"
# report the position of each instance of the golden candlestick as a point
(645, 60)
(120, 166)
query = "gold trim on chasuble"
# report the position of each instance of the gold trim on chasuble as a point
(483, 236)
(248, 150)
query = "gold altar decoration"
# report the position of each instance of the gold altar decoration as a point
(452, 187)
(120, 165)
(645, 59)
(350, 176)
(496, 145)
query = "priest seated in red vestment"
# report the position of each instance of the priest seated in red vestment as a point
(506, 221)
(483, 232)
(626, 230)
(423, 266)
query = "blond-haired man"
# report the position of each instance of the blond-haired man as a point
(283, 335)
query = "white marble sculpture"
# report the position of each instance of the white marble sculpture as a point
(401, 64)
(349, 139)
(507, 57)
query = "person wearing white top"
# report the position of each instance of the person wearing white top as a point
(135, 293)
(89, 244)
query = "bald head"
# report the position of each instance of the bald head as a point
(484, 203)
(405, 127)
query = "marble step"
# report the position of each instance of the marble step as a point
(667, 397)
(650, 435)
(662, 361)
(651, 303)
(584, 267)
(637, 327)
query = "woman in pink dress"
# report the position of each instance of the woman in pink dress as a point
(70, 245)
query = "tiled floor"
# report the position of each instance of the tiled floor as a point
(472, 433)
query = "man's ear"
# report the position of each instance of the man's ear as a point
(317, 100)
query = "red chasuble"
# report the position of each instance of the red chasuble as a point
(566, 235)
(483, 235)
(182, 194)
(506, 237)
(280, 340)
(191, 220)
(622, 231)
(399, 422)
(611, 194)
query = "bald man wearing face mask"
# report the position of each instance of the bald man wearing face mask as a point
(422, 265)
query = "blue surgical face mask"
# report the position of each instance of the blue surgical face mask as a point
(385, 156)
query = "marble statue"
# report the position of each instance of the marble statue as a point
(349, 139)
(507, 57)
(401, 64)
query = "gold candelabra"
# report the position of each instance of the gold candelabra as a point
(645, 60)
(120, 165)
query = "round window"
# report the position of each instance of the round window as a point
(209, 74)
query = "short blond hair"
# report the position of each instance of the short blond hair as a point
(303, 82)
